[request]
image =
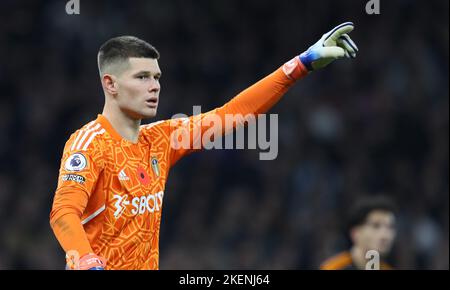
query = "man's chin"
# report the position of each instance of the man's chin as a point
(148, 114)
(384, 251)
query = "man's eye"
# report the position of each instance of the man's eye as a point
(376, 225)
(142, 77)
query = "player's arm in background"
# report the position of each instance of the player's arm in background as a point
(263, 95)
(78, 175)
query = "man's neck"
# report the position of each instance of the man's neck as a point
(127, 127)
(358, 257)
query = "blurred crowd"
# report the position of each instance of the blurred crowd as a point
(376, 124)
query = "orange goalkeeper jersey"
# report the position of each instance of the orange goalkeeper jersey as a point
(116, 187)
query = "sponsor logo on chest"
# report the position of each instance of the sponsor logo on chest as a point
(138, 205)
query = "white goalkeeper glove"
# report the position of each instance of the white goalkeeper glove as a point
(333, 45)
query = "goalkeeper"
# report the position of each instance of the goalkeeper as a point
(106, 211)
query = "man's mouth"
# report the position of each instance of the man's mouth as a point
(152, 102)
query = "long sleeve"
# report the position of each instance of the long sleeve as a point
(78, 175)
(71, 235)
(257, 99)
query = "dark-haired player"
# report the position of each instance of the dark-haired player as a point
(107, 208)
(371, 227)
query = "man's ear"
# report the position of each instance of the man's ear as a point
(109, 84)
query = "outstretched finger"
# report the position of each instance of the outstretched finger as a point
(339, 30)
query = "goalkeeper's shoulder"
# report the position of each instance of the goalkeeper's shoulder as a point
(163, 128)
(89, 139)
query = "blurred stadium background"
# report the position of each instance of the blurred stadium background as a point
(378, 124)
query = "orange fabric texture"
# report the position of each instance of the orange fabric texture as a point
(338, 262)
(344, 261)
(110, 191)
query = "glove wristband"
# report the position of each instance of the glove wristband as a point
(86, 262)
(91, 261)
(295, 69)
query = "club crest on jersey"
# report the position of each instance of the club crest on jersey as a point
(76, 162)
(155, 166)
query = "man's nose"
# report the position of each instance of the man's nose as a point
(154, 86)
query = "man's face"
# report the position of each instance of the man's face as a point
(138, 88)
(377, 233)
